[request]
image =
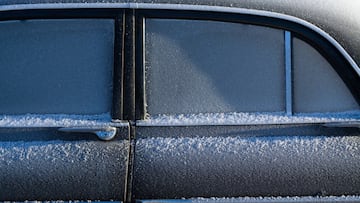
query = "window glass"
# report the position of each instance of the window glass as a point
(56, 66)
(197, 66)
(317, 87)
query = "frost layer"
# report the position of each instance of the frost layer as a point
(62, 170)
(247, 166)
(54, 120)
(247, 118)
(296, 199)
(278, 199)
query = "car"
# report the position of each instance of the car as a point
(189, 101)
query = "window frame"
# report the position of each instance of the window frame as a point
(336, 59)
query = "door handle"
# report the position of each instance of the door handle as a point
(103, 133)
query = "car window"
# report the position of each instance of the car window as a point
(317, 87)
(203, 66)
(56, 66)
(206, 66)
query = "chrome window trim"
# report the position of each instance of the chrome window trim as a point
(288, 78)
(190, 8)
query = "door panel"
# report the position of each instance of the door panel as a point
(58, 80)
(217, 95)
(45, 164)
(230, 161)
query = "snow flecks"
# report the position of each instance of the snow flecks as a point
(51, 151)
(247, 118)
(54, 120)
(295, 199)
(278, 199)
(239, 145)
(62, 169)
(247, 166)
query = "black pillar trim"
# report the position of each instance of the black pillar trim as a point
(118, 77)
(129, 66)
(140, 108)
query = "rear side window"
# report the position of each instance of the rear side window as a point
(56, 66)
(204, 66)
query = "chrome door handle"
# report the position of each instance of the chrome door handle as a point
(103, 133)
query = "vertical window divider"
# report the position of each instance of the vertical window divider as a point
(288, 73)
(140, 108)
(129, 66)
(118, 91)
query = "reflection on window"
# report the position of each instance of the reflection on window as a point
(56, 66)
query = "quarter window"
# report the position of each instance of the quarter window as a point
(317, 87)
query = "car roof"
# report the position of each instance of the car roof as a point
(340, 20)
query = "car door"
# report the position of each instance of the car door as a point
(192, 103)
(235, 105)
(62, 132)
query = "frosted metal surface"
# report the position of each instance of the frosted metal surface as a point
(246, 166)
(56, 66)
(195, 66)
(62, 170)
(317, 87)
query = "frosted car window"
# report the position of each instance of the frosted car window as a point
(317, 87)
(56, 66)
(195, 66)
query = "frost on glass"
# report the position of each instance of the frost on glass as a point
(195, 66)
(56, 66)
(317, 87)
